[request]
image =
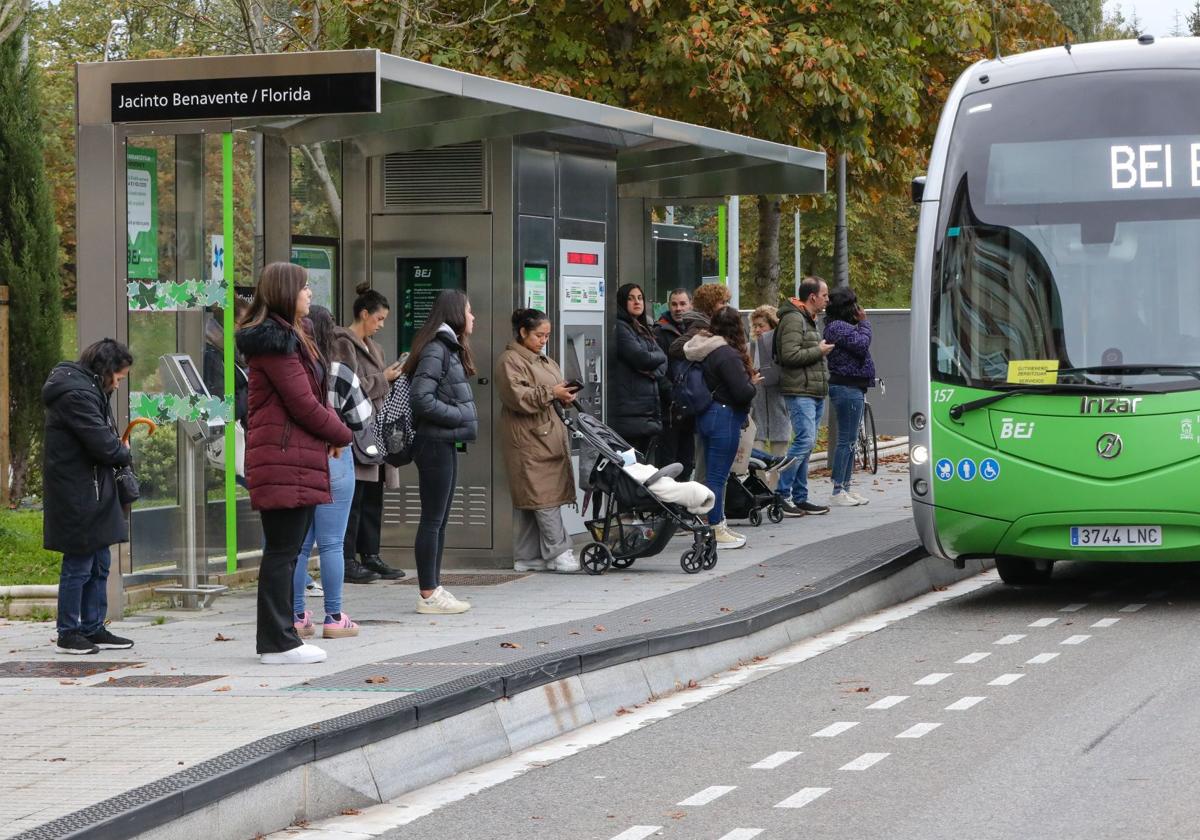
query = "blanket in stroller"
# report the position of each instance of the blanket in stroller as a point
(692, 495)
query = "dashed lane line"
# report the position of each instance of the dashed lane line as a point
(775, 760)
(972, 658)
(865, 761)
(638, 832)
(1010, 639)
(964, 704)
(835, 729)
(1006, 679)
(932, 679)
(742, 834)
(1106, 622)
(1075, 640)
(1043, 622)
(1073, 607)
(803, 797)
(889, 701)
(1131, 608)
(707, 795)
(919, 730)
(1041, 659)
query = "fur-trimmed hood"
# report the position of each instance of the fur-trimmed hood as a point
(274, 336)
(699, 346)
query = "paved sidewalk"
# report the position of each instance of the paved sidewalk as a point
(73, 740)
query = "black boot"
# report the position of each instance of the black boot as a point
(374, 563)
(355, 573)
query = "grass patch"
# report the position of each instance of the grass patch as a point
(22, 558)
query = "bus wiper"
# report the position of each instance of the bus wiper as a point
(957, 411)
(1117, 370)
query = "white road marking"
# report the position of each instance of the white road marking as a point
(1041, 659)
(407, 809)
(919, 730)
(707, 795)
(864, 761)
(972, 658)
(964, 704)
(889, 701)
(1043, 622)
(742, 834)
(932, 679)
(1131, 608)
(835, 729)
(802, 797)
(1010, 639)
(1073, 607)
(774, 760)
(638, 832)
(1074, 640)
(1106, 622)
(1006, 679)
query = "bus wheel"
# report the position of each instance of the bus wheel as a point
(1017, 571)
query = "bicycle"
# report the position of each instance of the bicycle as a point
(867, 446)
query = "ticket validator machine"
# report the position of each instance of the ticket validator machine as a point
(180, 377)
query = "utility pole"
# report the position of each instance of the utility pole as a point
(841, 247)
(4, 399)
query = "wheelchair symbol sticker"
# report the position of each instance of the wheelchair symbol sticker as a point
(945, 469)
(966, 469)
(989, 469)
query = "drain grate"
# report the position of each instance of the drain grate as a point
(158, 680)
(54, 668)
(468, 580)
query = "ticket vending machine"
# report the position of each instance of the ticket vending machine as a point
(581, 308)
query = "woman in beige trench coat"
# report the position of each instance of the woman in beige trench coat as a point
(536, 450)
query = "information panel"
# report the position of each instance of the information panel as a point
(141, 203)
(420, 280)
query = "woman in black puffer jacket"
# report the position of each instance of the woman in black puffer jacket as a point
(639, 368)
(444, 415)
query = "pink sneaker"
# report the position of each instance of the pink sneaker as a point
(305, 628)
(339, 629)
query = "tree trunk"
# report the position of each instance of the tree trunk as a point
(316, 159)
(766, 260)
(20, 476)
(12, 14)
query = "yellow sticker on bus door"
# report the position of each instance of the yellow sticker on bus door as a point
(1033, 371)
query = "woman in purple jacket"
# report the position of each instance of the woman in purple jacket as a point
(851, 373)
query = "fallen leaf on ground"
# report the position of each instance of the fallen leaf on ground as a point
(67, 682)
(693, 684)
(863, 689)
(512, 645)
(622, 711)
(573, 633)
(600, 628)
(220, 637)
(377, 679)
(223, 688)
(677, 815)
(56, 759)
(350, 812)
(726, 609)
(760, 659)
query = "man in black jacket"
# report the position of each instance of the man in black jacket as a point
(677, 444)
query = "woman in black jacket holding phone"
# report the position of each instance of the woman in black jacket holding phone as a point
(639, 367)
(444, 414)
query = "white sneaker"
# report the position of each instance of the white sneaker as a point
(566, 562)
(441, 602)
(844, 499)
(531, 566)
(455, 598)
(306, 654)
(726, 538)
(862, 500)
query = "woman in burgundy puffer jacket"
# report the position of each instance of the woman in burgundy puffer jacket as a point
(290, 432)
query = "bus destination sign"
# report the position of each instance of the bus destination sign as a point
(248, 96)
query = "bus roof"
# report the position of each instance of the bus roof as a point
(1161, 54)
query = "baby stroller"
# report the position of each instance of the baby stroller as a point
(746, 496)
(627, 520)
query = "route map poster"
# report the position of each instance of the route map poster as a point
(419, 280)
(141, 190)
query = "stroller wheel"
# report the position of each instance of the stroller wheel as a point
(755, 517)
(775, 513)
(622, 562)
(710, 555)
(691, 561)
(595, 558)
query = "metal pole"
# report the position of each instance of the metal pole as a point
(230, 437)
(4, 433)
(721, 243)
(841, 247)
(735, 252)
(796, 236)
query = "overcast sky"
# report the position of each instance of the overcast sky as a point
(1157, 16)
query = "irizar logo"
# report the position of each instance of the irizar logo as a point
(1108, 405)
(1010, 429)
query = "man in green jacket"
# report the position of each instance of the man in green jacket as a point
(804, 381)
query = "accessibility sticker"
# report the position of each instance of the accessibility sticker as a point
(989, 469)
(945, 469)
(966, 469)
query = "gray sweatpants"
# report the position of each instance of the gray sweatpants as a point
(540, 535)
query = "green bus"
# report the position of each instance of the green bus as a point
(1055, 355)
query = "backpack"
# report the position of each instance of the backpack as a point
(691, 396)
(394, 422)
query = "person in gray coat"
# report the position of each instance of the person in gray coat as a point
(772, 424)
(445, 417)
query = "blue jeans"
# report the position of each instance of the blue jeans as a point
(806, 417)
(720, 428)
(847, 405)
(83, 592)
(329, 531)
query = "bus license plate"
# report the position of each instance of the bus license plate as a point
(1109, 536)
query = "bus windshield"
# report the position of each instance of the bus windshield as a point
(1069, 233)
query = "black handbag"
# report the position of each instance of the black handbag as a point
(128, 490)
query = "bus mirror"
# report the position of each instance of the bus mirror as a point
(918, 189)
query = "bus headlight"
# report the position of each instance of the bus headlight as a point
(920, 487)
(919, 455)
(917, 421)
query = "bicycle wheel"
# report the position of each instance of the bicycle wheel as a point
(868, 443)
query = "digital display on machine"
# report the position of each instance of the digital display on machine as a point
(189, 373)
(420, 281)
(535, 279)
(582, 258)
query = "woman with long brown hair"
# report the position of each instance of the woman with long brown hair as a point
(730, 377)
(290, 433)
(444, 416)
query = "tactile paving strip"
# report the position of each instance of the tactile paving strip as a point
(62, 669)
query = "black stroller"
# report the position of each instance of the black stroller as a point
(746, 496)
(627, 520)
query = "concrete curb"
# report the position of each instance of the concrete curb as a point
(364, 758)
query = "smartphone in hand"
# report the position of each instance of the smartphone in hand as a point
(574, 386)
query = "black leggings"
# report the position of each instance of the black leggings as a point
(365, 523)
(283, 532)
(437, 471)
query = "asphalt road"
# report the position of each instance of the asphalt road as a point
(1067, 711)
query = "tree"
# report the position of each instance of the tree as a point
(12, 15)
(28, 254)
(1193, 20)
(1082, 17)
